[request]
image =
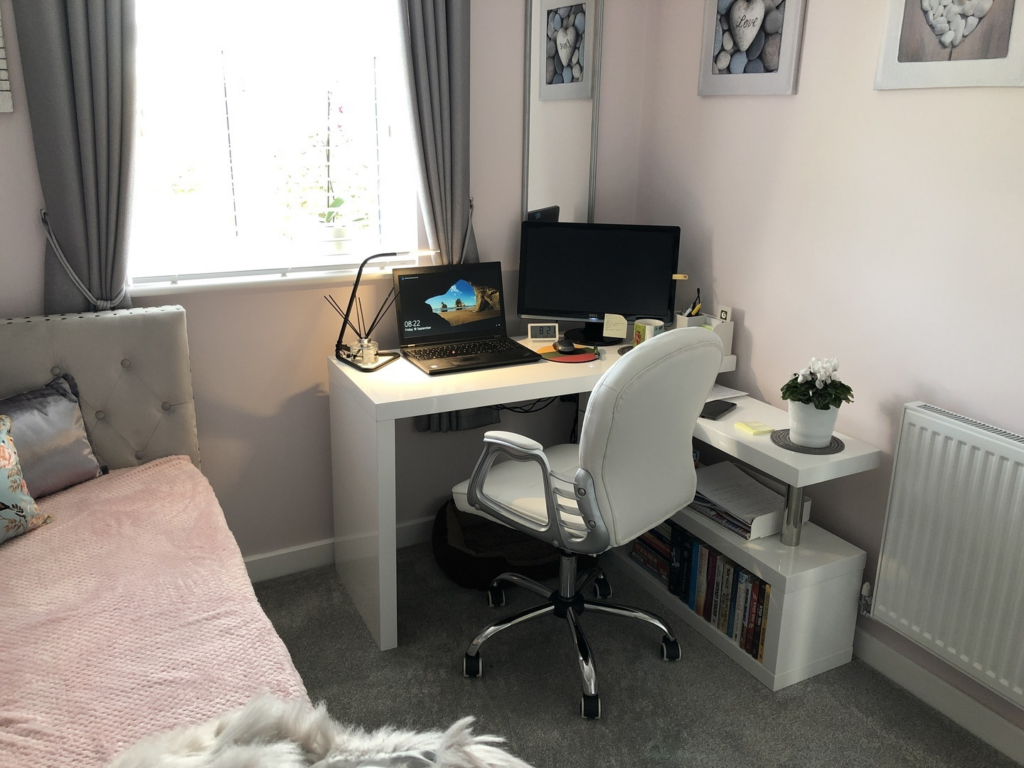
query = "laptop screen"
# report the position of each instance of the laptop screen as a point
(449, 303)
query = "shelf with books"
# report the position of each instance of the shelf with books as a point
(812, 594)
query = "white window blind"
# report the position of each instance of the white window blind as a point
(271, 137)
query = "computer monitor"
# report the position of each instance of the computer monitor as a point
(584, 271)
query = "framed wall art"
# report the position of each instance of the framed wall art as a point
(750, 47)
(565, 63)
(952, 43)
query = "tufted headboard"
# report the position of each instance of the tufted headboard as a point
(133, 375)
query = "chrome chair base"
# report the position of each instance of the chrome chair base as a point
(568, 603)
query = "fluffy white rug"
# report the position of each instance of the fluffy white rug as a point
(270, 733)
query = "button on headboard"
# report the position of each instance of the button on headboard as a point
(132, 370)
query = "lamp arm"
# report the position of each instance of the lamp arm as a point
(352, 298)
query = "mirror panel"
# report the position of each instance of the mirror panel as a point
(560, 134)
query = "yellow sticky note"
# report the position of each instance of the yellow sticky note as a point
(614, 326)
(753, 427)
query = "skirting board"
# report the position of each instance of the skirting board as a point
(936, 693)
(316, 554)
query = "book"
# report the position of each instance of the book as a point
(709, 580)
(748, 641)
(691, 596)
(727, 493)
(657, 545)
(764, 621)
(652, 568)
(675, 565)
(687, 554)
(648, 551)
(739, 612)
(747, 594)
(652, 558)
(728, 606)
(707, 510)
(755, 645)
(716, 603)
(702, 580)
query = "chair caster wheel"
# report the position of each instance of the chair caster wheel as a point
(495, 597)
(602, 588)
(670, 649)
(472, 666)
(590, 707)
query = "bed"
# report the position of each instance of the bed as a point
(131, 613)
(129, 631)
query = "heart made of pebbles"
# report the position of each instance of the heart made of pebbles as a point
(953, 20)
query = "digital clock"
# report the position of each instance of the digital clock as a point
(543, 331)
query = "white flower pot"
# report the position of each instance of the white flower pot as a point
(810, 427)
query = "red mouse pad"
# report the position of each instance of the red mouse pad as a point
(583, 355)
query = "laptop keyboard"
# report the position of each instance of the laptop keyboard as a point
(503, 344)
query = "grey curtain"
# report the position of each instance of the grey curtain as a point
(436, 34)
(79, 63)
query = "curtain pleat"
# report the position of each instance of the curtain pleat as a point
(79, 62)
(436, 34)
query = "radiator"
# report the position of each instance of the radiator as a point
(952, 558)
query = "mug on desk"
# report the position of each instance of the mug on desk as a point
(646, 329)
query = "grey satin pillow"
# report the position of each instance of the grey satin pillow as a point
(52, 444)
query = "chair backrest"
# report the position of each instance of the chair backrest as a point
(637, 437)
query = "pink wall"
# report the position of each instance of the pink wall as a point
(882, 228)
(21, 237)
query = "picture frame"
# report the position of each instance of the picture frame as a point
(563, 44)
(914, 55)
(777, 41)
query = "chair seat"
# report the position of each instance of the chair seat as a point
(520, 484)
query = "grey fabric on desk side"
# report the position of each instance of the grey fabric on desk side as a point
(457, 421)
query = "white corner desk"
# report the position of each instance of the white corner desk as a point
(365, 406)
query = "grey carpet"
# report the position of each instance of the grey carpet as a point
(701, 711)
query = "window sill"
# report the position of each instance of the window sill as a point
(261, 283)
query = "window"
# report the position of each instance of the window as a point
(270, 137)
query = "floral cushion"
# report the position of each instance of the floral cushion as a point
(18, 510)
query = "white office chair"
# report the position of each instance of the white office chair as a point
(632, 470)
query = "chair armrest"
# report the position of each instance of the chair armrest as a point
(513, 441)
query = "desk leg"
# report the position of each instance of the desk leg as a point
(794, 516)
(363, 470)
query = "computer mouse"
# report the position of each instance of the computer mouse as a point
(564, 346)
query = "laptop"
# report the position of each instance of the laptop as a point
(543, 214)
(452, 318)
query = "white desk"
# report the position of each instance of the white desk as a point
(364, 407)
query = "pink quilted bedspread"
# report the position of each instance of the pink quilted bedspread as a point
(131, 613)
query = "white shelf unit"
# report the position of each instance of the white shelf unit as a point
(812, 612)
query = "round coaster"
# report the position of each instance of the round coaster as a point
(781, 438)
(583, 355)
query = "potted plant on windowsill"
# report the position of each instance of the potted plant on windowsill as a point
(339, 227)
(815, 394)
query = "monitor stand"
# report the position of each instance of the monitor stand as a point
(591, 333)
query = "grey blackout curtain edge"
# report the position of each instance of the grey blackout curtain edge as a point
(436, 35)
(79, 62)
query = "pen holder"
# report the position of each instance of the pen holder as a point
(722, 328)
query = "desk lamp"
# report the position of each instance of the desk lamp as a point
(362, 355)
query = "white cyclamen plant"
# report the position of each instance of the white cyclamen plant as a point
(818, 384)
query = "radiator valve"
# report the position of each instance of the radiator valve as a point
(865, 599)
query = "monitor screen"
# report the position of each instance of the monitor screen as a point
(585, 271)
